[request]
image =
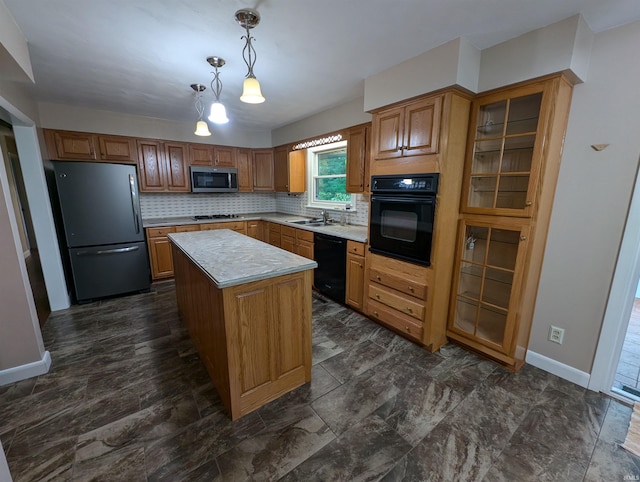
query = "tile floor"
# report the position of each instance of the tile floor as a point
(128, 399)
(628, 371)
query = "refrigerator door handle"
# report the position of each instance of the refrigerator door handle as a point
(134, 203)
(108, 251)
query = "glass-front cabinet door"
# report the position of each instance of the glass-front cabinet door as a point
(488, 276)
(502, 170)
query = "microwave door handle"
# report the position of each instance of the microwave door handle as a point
(134, 204)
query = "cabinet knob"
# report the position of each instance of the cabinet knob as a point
(523, 238)
(360, 264)
(378, 277)
(409, 310)
(375, 313)
(528, 203)
(377, 296)
(407, 328)
(410, 288)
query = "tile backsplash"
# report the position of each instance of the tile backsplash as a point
(160, 205)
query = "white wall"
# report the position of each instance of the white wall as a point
(593, 193)
(564, 45)
(345, 115)
(65, 117)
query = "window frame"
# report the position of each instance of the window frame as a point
(312, 169)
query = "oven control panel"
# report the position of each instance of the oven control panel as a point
(417, 184)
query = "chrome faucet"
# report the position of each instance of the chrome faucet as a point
(325, 217)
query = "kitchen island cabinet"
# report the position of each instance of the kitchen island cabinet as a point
(247, 307)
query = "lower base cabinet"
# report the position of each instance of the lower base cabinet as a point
(397, 295)
(160, 252)
(254, 338)
(355, 275)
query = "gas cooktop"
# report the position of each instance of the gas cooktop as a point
(215, 216)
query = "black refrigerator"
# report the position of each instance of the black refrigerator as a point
(103, 236)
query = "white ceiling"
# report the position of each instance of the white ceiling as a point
(140, 56)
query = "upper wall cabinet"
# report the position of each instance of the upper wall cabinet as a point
(262, 169)
(505, 152)
(289, 170)
(245, 170)
(215, 156)
(163, 166)
(409, 129)
(358, 158)
(84, 146)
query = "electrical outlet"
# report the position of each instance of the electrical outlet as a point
(556, 334)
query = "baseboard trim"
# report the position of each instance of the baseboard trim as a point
(559, 369)
(29, 370)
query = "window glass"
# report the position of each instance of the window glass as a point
(327, 167)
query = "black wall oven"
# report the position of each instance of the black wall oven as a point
(402, 215)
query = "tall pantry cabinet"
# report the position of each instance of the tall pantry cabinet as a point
(513, 158)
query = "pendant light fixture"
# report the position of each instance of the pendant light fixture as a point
(202, 129)
(218, 113)
(248, 19)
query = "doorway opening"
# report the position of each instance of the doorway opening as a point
(25, 225)
(627, 377)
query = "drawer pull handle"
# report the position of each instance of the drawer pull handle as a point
(410, 288)
(375, 313)
(409, 310)
(378, 277)
(377, 296)
(407, 328)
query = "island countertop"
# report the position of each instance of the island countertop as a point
(229, 258)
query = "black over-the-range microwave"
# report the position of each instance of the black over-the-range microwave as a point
(213, 179)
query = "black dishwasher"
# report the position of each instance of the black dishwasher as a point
(329, 277)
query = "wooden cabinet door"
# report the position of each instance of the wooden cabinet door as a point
(200, 155)
(505, 153)
(487, 283)
(245, 170)
(224, 156)
(357, 158)
(304, 248)
(422, 127)
(160, 258)
(71, 145)
(176, 167)
(151, 166)
(388, 138)
(281, 169)
(255, 230)
(263, 170)
(297, 162)
(355, 281)
(118, 149)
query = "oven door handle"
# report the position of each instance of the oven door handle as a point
(405, 199)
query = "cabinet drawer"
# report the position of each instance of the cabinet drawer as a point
(275, 227)
(304, 235)
(406, 305)
(187, 228)
(394, 319)
(288, 231)
(419, 290)
(234, 225)
(354, 247)
(160, 232)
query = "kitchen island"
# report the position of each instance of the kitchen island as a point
(247, 307)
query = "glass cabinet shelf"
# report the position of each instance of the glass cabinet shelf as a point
(502, 160)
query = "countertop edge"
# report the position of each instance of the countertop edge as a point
(280, 218)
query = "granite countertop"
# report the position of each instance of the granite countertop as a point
(349, 231)
(231, 259)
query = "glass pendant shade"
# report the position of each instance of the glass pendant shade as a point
(202, 129)
(218, 113)
(251, 93)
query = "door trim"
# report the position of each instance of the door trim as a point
(620, 302)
